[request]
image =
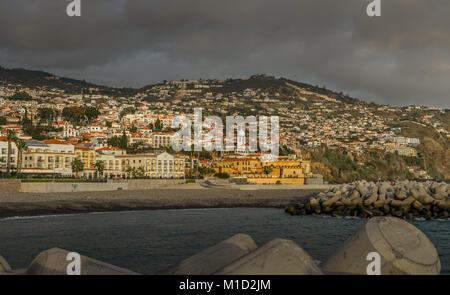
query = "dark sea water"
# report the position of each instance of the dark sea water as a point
(148, 241)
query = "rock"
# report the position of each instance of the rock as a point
(443, 204)
(403, 248)
(380, 201)
(417, 205)
(400, 195)
(439, 196)
(373, 197)
(362, 188)
(383, 187)
(290, 209)
(54, 262)
(386, 209)
(390, 195)
(396, 203)
(339, 203)
(313, 202)
(317, 209)
(397, 213)
(367, 212)
(308, 208)
(214, 258)
(4, 266)
(346, 201)
(277, 257)
(355, 195)
(331, 201)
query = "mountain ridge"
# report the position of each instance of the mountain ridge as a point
(38, 78)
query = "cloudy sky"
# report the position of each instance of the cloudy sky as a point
(401, 57)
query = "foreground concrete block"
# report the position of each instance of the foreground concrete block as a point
(214, 258)
(403, 249)
(4, 266)
(54, 262)
(277, 257)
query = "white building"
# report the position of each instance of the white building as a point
(4, 154)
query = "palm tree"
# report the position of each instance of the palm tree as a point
(21, 146)
(100, 166)
(268, 170)
(131, 171)
(140, 172)
(10, 136)
(77, 166)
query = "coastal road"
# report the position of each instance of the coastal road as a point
(25, 204)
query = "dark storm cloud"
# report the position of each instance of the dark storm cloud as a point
(402, 57)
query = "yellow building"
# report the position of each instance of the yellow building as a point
(86, 155)
(284, 170)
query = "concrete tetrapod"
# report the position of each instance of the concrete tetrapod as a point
(4, 266)
(214, 258)
(54, 262)
(277, 257)
(402, 247)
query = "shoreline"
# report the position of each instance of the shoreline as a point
(33, 204)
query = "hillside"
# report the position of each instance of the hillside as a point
(357, 135)
(434, 148)
(40, 79)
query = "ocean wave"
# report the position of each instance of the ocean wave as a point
(36, 217)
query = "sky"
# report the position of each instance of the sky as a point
(401, 57)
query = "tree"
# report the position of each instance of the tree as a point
(20, 95)
(268, 170)
(126, 111)
(223, 175)
(205, 171)
(140, 172)
(46, 114)
(10, 136)
(77, 166)
(115, 141)
(3, 121)
(21, 146)
(158, 126)
(100, 166)
(131, 171)
(91, 113)
(133, 129)
(73, 114)
(124, 140)
(25, 120)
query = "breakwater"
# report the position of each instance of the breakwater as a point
(405, 199)
(240, 254)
